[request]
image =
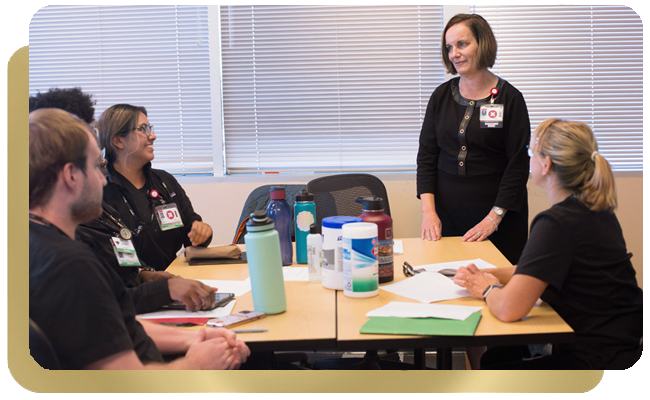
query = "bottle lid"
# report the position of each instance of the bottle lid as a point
(304, 196)
(313, 228)
(338, 221)
(372, 203)
(278, 193)
(259, 218)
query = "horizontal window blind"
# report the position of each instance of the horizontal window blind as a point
(577, 62)
(327, 88)
(151, 56)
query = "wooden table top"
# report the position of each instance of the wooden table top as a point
(317, 317)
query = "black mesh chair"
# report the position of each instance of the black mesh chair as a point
(334, 194)
(259, 198)
(41, 349)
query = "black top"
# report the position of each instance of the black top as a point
(81, 306)
(581, 254)
(156, 247)
(97, 234)
(460, 147)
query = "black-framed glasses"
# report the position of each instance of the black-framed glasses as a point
(144, 128)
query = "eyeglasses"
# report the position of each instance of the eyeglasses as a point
(409, 271)
(144, 128)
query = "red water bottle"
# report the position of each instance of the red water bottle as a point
(373, 211)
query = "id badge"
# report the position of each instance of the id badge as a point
(125, 252)
(491, 116)
(168, 216)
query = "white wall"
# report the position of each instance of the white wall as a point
(220, 204)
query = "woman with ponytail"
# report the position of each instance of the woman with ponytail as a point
(575, 260)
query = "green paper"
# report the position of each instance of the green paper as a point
(422, 326)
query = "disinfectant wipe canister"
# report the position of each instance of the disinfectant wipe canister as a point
(332, 250)
(265, 264)
(360, 267)
(304, 211)
(373, 211)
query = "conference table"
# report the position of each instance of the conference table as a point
(319, 318)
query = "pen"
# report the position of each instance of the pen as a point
(250, 330)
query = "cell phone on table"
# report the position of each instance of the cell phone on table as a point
(221, 300)
(235, 319)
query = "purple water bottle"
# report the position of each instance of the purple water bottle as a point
(280, 212)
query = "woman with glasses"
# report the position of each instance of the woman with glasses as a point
(575, 260)
(151, 201)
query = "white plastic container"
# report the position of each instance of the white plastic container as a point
(314, 254)
(333, 251)
(360, 264)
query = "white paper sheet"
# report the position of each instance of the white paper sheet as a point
(217, 312)
(295, 273)
(398, 248)
(419, 310)
(239, 288)
(480, 264)
(427, 287)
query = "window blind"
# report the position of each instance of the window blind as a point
(151, 56)
(327, 88)
(577, 62)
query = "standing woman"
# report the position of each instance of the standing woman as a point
(472, 160)
(576, 261)
(150, 201)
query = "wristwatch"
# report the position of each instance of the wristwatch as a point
(489, 289)
(500, 211)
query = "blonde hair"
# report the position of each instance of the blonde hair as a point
(575, 161)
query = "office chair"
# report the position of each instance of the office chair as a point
(258, 199)
(41, 349)
(334, 194)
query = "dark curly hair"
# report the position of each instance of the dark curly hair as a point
(71, 100)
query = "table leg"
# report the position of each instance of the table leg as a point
(419, 359)
(443, 358)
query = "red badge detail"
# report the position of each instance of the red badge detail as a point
(170, 214)
(494, 91)
(492, 114)
(154, 194)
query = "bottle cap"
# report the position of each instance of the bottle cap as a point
(278, 193)
(372, 203)
(313, 228)
(259, 218)
(304, 196)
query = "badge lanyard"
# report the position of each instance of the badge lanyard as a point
(167, 214)
(46, 223)
(491, 115)
(124, 232)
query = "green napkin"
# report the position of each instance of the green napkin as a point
(422, 326)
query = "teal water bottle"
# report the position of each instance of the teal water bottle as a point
(304, 211)
(265, 264)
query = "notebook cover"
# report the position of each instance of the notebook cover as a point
(422, 326)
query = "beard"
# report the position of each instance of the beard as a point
(87, 208)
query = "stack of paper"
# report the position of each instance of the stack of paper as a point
(400, 318)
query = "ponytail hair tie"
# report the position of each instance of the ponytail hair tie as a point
(593, 156)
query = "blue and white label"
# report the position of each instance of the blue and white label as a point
(360, 267)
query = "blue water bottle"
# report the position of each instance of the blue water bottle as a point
(280, 212)
(304, 214)
(265, 264)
